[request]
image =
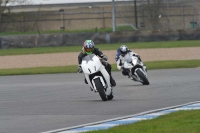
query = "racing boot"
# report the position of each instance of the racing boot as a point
(112, 81)
(133, 77)
(108, 69)
(86, 81)
(129, 75)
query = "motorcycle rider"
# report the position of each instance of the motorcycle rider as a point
(88, 48)
(120, 62)
(118, 54)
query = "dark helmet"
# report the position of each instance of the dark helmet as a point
(88, 46)
(123, 50)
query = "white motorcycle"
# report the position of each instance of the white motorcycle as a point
(137, 70)
(97, 77)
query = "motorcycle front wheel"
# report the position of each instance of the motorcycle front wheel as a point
(100, 89)
(142, 77)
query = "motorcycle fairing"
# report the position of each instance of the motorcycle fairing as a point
(91, 64)
(132, 62)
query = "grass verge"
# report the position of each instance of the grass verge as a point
(133, 45)
(73, 69)
(177, 122)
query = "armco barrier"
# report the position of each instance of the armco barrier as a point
(49, 40)
(18, 42)
(29, 41)
(189, 35)
(141, 36)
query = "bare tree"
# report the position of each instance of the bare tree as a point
(3, 4)
(6, 6)
(152, 10)
(20, 2)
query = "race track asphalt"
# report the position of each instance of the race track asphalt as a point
(39, 103)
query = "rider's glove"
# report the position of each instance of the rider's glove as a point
(139, 57)
(80, 70)
(136, 55)
(104, 57)
(104, 62)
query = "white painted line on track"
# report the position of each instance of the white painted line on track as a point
(127, 119)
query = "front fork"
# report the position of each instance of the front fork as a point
(106, 77)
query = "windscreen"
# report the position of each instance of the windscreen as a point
(127, 58)
(88, 58)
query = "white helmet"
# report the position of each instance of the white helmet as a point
(123, 50)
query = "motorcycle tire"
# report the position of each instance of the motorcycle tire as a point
(110, 97)
(142, 77)
(101, 90)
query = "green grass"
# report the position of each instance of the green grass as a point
(38, 70)
(134, 45)
(94, 30)
(177, 122)
(73, 69)
(173, 64)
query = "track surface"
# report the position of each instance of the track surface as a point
(38, 103)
